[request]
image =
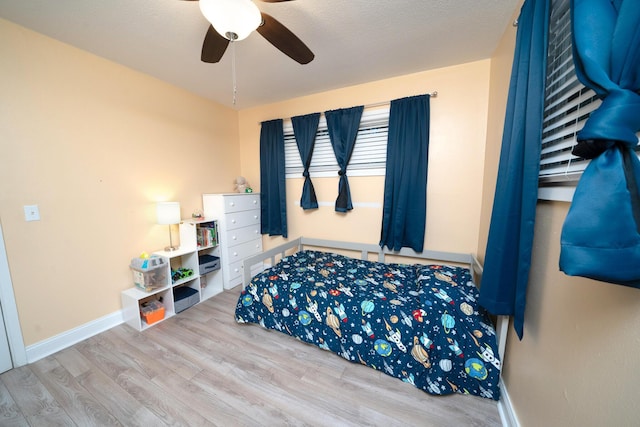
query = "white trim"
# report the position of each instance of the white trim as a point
(505, 408)
(61, 341)
(10, 310)
(556, 193)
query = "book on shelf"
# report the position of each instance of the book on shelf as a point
(207, 235)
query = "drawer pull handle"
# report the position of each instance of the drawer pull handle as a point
(235, 254)
(234, 238)
(255, 217)
(233, 221)
(232, 204)
(236, 270)
(255, 202)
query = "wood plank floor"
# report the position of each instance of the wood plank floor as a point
(200, 368)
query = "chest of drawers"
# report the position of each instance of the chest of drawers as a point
(238, 218)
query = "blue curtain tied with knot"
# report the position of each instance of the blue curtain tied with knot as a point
(601, 234)
(273, 197)
(405, 186)
(304, 130)
(508, 253)
(343, 127)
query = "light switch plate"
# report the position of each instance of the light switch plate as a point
(31, 213)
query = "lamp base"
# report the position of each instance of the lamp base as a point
(171, 248)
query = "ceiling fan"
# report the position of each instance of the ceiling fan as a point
(233, 20)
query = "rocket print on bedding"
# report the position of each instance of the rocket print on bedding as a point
(418, 323)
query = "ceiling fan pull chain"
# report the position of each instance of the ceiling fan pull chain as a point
(233, 70)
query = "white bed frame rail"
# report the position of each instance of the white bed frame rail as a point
(279, 252)
(296, 245)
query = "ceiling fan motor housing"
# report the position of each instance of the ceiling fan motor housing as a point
(232, 19)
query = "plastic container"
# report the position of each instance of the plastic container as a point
(152, 312)
(149, 273)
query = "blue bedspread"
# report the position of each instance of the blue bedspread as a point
(418, 323)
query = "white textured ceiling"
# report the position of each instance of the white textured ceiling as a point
(354, 41)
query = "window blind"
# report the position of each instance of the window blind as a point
(369, 154)
(568, 104)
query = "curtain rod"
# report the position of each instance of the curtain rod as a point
(433, 94)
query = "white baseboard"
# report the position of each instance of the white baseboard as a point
(61, 341)
(507, 413)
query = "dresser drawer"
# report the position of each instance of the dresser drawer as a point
(237, 236)
(243, 250)
(242, 219)
(236, 268)
(241, 202)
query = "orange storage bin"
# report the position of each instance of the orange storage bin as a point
(152, 312)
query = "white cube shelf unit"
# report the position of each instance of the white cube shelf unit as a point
(187, 257)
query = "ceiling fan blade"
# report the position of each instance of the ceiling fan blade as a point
(213, 46)
(283, 39)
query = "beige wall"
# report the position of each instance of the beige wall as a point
(95, 145)
(576, 363)
(501, 62)
(457, 144)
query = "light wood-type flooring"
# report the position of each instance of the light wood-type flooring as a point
(201, 368)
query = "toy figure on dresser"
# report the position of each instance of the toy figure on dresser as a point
(242, 186)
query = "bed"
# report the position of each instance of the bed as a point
(416, 322)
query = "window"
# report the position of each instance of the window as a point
(568, 104)
(369, 154)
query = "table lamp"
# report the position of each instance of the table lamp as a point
(168, 213)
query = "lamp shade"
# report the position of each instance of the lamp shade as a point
(232, 19)
(168, 212)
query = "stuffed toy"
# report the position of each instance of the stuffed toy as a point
(242, 186)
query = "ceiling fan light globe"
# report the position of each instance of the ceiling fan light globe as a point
(232, 19)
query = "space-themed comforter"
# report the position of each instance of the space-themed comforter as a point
(418, 323)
